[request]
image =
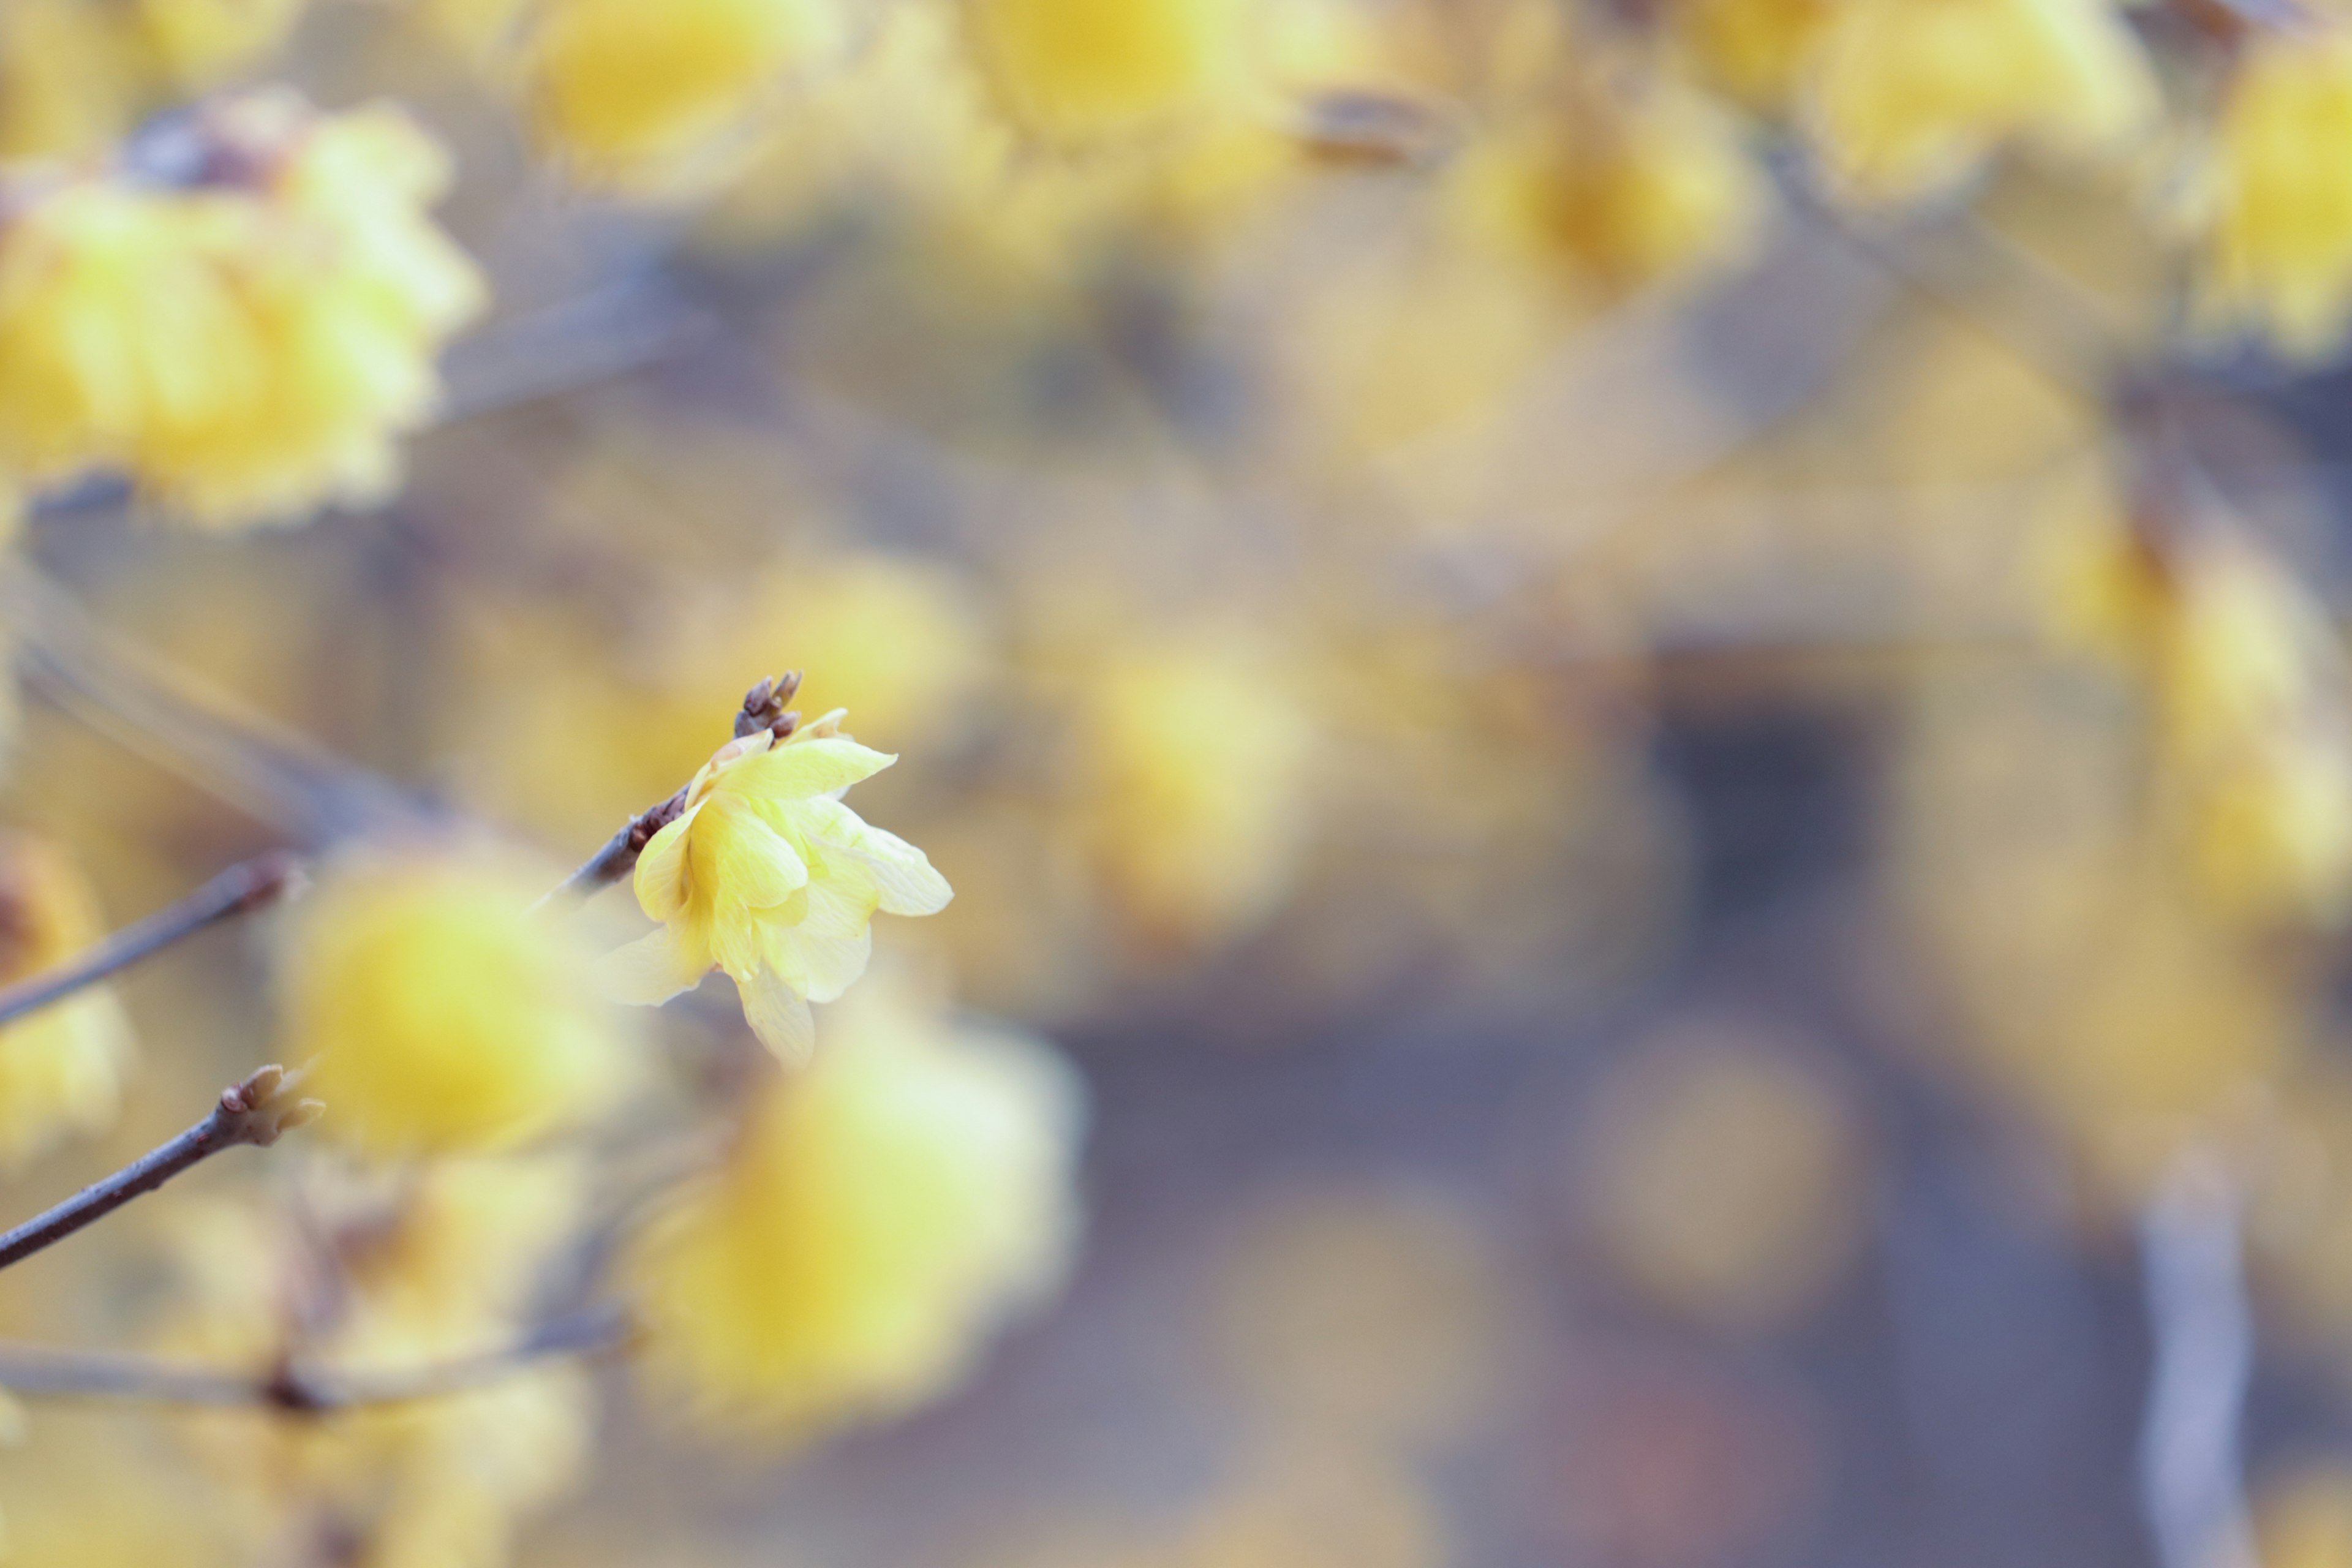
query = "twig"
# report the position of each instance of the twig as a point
(241, 889)
(764, 709)
(256, 1111)
(2190, 1469)
(36, 1372)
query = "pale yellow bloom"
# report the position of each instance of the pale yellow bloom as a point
(61, 1068)
(1615, 191)
(627, 90)
(197, 42)
(246, 350)
(2251, 700)
(1909, 97)
(879, 1217)
(442, 1014)
(1078, 73)
(1755, 49)
(766, 875)
(1193, 774)
(2280, 193)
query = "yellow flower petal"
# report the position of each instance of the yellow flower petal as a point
(779, 1015)
(735, 856)
(653, 969)
(801, 769)
(661, 869)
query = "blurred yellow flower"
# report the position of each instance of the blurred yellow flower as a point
(442, 1013)
(1909, 97)
(248, 348)
(1191, 782)
(2251, 699)
(1081, 73)
(197, 42)
(627, 91)
(879, 1217)
(1616, 191)
(2279, 201)
(1754, 50)
(61, 1067)
(766, 875)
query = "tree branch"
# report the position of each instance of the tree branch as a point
(242, 889)
(36, 1372)
(256, 1111)
(764, 709)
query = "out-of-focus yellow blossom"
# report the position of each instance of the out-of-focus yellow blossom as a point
(1616, 192)
(197, 42)
(628, 91)
(1908, 97)
(1723, 1175)
(60, 1068)
(426, 1266)
(2304, 1518)
(1191, 778)
(70, 79)
(246, 350)
(880, 1216)
(1083, 73)
(443, 1014)
(76, 76)
(766, 875)
(1755, 49)
(2251, 699)
(2280, 203)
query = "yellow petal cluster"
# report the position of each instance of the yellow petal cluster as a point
(1756, 50)
(77, 76)
(2279, 243)
(1616, 191)
(2252, 705)
(1074, 74)
(389, 1272)
(1909, 97)
(1192, 779)
(880, 1216)
(444, 1014)
(60, 1068)
(247, 349)
(626, 91)
(767, 875)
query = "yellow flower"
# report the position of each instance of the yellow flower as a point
(1910, 96)
(881, 1213)
(1192, 775)
(627, 91)
(196, 42)
(1075, 73)
(766, 875)
(1755, 49)
(2280, 246)
(1616, 191)
(443, 1015)
(247, 349)
(60, 1068)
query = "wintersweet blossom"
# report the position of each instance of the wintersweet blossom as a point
(1078, 73)
(879, 1217)
(766, 875)
(2279, 200)
(61, 1068)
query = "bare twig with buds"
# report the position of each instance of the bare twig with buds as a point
(257, 1111)
(764, 709)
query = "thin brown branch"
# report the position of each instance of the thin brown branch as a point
(36, 1372)
(764, 709)
(257, 1112)
(242, 889)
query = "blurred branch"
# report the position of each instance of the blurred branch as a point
(764, 709)
(257, 1111)
(242, 889)
(2189, 1473)
(157, 711)
(36, 1372)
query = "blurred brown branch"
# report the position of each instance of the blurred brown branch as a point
(34, 1372)
(243, 888)
(256, 1111)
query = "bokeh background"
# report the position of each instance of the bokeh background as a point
(1679, 771)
